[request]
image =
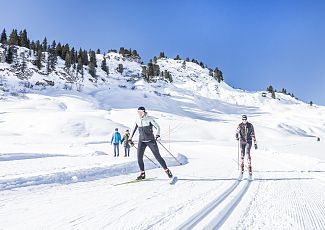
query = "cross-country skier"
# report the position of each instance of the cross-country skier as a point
(116, 138)
(126, 142)
(146, 138)
(245, 133)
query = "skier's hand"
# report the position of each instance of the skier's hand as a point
(255, 145)
(237, 137)
(157, 137)
(131, 142)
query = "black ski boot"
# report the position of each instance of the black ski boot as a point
(142, 176)
(169, 173)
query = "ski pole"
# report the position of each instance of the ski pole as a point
(169, 152)
(146, 156)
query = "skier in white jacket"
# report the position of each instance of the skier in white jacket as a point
(146, 138)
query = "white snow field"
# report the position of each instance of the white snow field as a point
(57, 169)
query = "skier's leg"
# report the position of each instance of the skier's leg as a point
(128, 150)
(249, 160)
(154, 148)
(242, 148)
(125, 151)
(118, 149)
(141, 148)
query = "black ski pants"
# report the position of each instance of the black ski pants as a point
(246, 147)
(154, 149)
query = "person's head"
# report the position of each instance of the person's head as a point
(141, 111)
(127, 131)
(116, 129)
(244, 119)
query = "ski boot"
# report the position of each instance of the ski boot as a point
(169, 173)
(142, 176)
(242, 168)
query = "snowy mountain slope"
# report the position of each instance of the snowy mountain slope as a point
(57, 169)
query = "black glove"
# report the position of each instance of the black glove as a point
(157, 136)
(237, 137)
(255, 145)
(131, 142)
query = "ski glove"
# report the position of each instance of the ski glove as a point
(237, 137)
(131, 142)
(157, 136)
(255, 145)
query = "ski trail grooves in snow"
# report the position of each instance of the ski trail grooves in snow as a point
(199, 216)
(298, 200)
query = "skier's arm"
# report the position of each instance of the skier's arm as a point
(112, 138)
(238, 132)
(253, 137)
(155, 124)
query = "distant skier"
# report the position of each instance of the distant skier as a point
(147, 138)
(116, 139)
(245, 133)
(126, 142)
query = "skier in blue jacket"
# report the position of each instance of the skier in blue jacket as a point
(116, 139)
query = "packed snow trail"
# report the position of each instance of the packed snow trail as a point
(281, 197)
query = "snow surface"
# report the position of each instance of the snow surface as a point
(57, 169)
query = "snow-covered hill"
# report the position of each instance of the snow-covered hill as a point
(57, 169)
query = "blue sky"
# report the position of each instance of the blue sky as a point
(254, 43)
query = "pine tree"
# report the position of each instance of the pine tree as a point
(135, 53)
(168, 76)
(3, 38)
(155, 60)
(24, 42)
(39, 57)
(13, 40)
(65, 49)
(67, 60)
(92, 58)
(120, 68)
(85, 59)
(187, 59)
(80, 66)
(144, 73)
(73, 56)
(23, 62)
(210, 72)
(184, 65)
(98, 51)
(161, 55)
(104, 66)
(311, 103)
(273, 95)
(92, 69)
(218, 75)
(52, 57)
(44, 44)
(270, 89)
(122, 51)
(59, 49)
(33, 46)
(9, 56)
(177, 57)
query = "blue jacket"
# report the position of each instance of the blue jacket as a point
(116, 138)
